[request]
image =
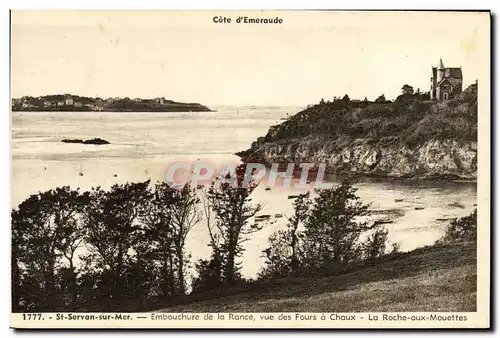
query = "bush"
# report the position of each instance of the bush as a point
(462, 230)
(375, 245)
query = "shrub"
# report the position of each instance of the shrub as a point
(461, 230)
(376, 244)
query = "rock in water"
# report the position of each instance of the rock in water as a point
(97, 141)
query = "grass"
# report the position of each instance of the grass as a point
(436, 278)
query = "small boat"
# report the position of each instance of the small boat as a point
(474, 205)
(199, 186)
(263, 217)
(417, 198)
(292, 196)
(444, 219)
(278, 215)
(81, 172)
(456, 205)
(398, 200)
(115, 175)
(267, 189)
(419, 208)
(391, 212)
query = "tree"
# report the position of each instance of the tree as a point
(209, 272)
(169, 217)
(232, 208)
(110, 224)
(407, 89)
(332, 231)
(44, 229)
(185, 215)
(376, 244)
(322, 102)
(346, 99)
(156, 243)
(282, 255)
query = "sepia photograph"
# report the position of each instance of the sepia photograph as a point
(250, 168)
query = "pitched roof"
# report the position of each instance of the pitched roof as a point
(443, 81)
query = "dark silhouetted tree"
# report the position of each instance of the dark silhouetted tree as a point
(231, 204)
(44, 227)
(110, 223)
(407, 89)
(332, 231)
(282, 255)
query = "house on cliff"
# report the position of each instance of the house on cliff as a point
(446, 82)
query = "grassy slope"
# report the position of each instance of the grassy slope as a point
(439, 278)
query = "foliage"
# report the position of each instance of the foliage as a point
(231, 225)
(375, 245)
(283, 256)
(407, 89)
(380, 99)
(410, 120)
(129, 242)
(329, 238)
(332, 230)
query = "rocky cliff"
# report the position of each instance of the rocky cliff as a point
(409, 138)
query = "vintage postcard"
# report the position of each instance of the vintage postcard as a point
(250, 169)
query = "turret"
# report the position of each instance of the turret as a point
(440, 71)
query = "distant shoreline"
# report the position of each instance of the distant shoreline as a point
(183, 109)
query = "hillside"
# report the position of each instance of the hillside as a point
(407, 138)
(437, 278)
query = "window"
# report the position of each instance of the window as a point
(445, 96)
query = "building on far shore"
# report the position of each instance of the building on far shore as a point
(28, 105)
(78, 104)
(446, 82)
(160, 100)
(68, 100)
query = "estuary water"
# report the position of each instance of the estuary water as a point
(144, 144)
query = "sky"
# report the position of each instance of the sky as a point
(185, 56)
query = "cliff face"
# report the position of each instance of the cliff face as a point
(434, 159)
